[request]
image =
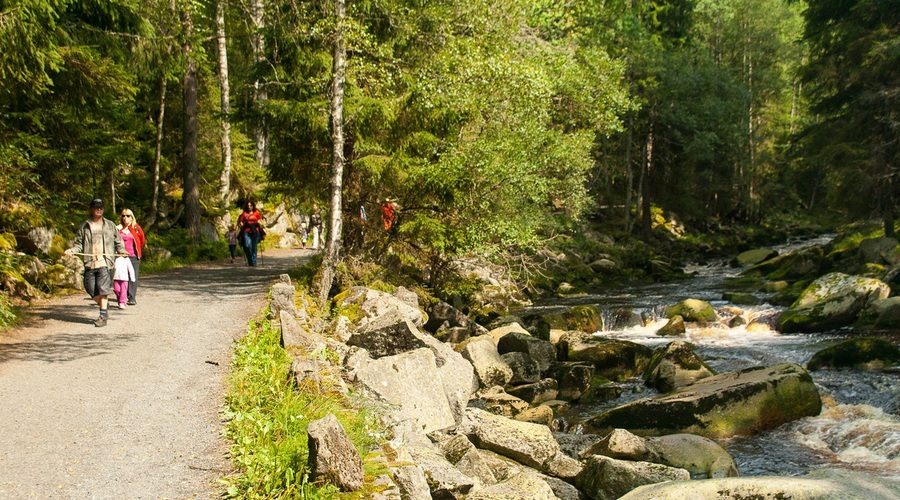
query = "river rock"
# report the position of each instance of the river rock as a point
(823, 484)
(524, 369)
(529, 444)
(411, 481)
(411, 383)
(520, 487)
(623, 318)
(465, 457)
(735, 403)
(623, 445)
(333, 458)
(489, 367)
(752, 257)
(831, 301)
(613, 359)
(541, 351)
(700, 456)
(885, 312)
(574, 380)
(444, 480)
(864, 353)
(538, 392)
(605, 478)
(498, 402)
(673, 328)
(675, 365)
(693, 310)
(541, 414)
(794, 265)
(879, 251)
(584, 318)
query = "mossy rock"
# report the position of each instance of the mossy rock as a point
(864, 353)
(832, 301)
(693, 310)
(601, 390)
(584, 318)
(752, 257)
(7, 242)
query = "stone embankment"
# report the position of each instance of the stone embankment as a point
(473, 416)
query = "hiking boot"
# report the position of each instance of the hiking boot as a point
(101, 321)
(132, 303)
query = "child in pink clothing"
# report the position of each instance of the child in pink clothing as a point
(123, 274)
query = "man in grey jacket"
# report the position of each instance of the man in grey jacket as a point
(98, 242)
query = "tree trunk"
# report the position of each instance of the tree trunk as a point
(646, 220)
(157, 159)
(225, 178)
(333, 243)
(629, 175)
(258, 43)
(191, 177)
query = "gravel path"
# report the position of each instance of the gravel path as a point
(132, 410)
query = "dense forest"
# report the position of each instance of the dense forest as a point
(494, 124)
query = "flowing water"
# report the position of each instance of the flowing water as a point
(859, 426)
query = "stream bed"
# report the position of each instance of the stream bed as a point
(859, 426)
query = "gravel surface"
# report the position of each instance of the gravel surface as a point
(131, 410)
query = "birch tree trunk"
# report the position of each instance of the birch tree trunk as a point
(157, 158)
(333, 242)
(191, 173)
(225, 178)
(258, 43)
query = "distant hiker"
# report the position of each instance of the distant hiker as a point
(98, 243)
(250, 224)
(231, 237)
(388, 214)
(134, 239)
(315, 225)
(122, 278)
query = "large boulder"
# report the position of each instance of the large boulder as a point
(674, 365)
(584, 318)
(574, 380)
(489, 367)
(444, 480)
(541, 351)
(614, 359)
(823, 484)
(388, 335)
(411, 383)
(362, 305)
(525, 370)
(832, 301)
(735, 403)
(700, 456)
(333, 458)
(622, 445)
(879, 251)
(443, 313)
(529, 444)
(863, 353)
(520, 486)
(752, 257)
(797, 264)
(605, 478)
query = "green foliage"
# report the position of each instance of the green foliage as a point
(268, 418)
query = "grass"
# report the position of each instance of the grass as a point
(267, 420)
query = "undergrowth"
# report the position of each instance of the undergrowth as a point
(268, 417)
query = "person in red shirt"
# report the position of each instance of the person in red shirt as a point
(135, 239)
(388, 213)
(250, 226)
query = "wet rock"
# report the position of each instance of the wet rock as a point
(605, 478)
(864, 353)
(693, 310)
(742, 298)
(585, 318)
(735, 403)
(673, 328)
(831, 301)
(794, 265)
(700, 456)
(675, 365)
(333, 458)
(626, 318)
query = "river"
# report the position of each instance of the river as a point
(859, 426)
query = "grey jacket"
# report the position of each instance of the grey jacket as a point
(112, 242)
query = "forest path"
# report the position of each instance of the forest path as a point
(131, 410)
